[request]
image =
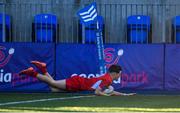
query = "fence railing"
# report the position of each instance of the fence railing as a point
(115, 21)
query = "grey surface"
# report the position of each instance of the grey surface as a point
(115, 13)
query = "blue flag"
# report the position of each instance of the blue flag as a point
(88, 15)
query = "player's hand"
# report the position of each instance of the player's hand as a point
(129, 94)
(106, 94)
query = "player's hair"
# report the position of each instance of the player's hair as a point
(115, 69)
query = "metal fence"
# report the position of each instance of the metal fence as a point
(115, 19)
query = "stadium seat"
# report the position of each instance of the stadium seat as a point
(90, 31)
(7, 27)
(45, 28)
(138, 28)
(176, 29)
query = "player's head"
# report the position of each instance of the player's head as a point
(115, 71)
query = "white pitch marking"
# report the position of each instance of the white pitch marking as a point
(42, 100)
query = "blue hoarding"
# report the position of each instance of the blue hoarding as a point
(142, 64)
(15, 57)
(172, 67)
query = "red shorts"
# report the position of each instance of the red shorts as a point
(73, 83)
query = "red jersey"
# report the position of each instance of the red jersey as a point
(77, 83)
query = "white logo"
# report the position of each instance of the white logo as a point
(5, 77)
(94, 75)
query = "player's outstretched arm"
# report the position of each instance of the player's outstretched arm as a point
(115, 93)
(99, 92)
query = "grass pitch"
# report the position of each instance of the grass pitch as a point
(66, 102)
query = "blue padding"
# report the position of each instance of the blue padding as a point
(90, 30)
(45, 34)
(142, 64)
(45, 27)
(178, 37)
(138, 28)
(139, 36)
(45, 18)
(16, 57)
(176, 21)
(139, 19)
(7, 25)
(176, 25)
(7, 19)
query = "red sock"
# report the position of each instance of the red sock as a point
(44, 70)
(30, 71)
(35, 73)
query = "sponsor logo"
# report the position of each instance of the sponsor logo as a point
(92, 76)
(112, 56)
(4, 60)
(19, 80)
(9, 77)
(5, 77)
(134, 79)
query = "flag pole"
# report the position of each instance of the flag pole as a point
(100, 48)
(89, 15)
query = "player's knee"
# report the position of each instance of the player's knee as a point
(52, 83)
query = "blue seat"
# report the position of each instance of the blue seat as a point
(176, 28)
(90, 31)
(138, 28)
(7, 27)
(45, 28)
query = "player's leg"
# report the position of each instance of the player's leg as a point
(55, 84)
(53, 89)
(47, 74)
(60, 84)
(42, 67)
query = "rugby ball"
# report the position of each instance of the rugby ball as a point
(110, 89)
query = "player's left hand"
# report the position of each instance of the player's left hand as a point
(130, 94)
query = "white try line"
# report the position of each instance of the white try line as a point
(42, 100)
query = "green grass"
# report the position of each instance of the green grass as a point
(137, 103)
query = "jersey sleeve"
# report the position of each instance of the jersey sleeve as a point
(96, 85)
